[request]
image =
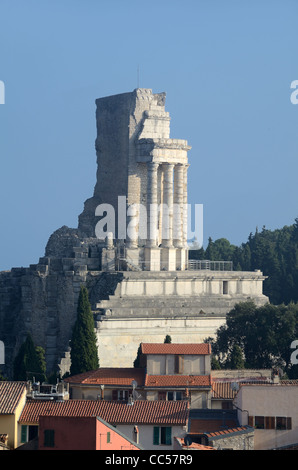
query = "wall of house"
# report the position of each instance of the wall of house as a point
(8, 424)
(270, 401)
(189, 364)
(85, 392)
(87, 433)
(146, 435)
(235, 442)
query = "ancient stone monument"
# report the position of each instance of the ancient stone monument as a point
(130, 250)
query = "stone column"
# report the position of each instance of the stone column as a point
(178, 205)
(152, 208)
(167, 219)
(185, 215)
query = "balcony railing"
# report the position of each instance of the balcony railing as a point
(194, 264)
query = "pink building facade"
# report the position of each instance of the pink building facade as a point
(81, 433)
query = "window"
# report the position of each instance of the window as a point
(174, 396)
(279, 423)
(178, 367)
(121, 395)
(162, 436)
(283, 423)
(108, 437)
(49, 438)
(259, 422)
(225, 287)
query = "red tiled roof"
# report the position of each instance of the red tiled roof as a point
(109, 376)
(224, 432)
(223, 390)
(10, 395)
(177, 381)
(141, 412)
(170, 348)
(193, 445)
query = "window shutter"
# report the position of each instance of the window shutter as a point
(23, 433)
(114, 395)
(269, 422)
(251, 421)
(289, 423)
(168, 436)
(162, 395)
(108, 437)
(156, 435)
(49, 437)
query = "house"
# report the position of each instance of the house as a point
(225, 384)
(81, 433)
(12, 401)
(113, 383)
(219, 429)
(150, 424)
(177, 372)
(167, 371)
(272, 410)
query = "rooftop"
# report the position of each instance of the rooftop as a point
(170, 348)
(109, 376)
(10, 395)
(141, 412)
(178, 381)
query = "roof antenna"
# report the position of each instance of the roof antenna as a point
(138, 76)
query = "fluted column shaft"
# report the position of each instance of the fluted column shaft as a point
(185, 208)
(178, 205)
(152, 208)
(168, 198)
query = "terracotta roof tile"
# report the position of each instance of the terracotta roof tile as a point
(178, 381)
(10, 394)
(223, 390)
(141, 412)
(229, 431)
(193, 445)
(109, 376)
(171, 348)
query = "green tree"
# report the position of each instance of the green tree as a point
(29, 363)
(168, 339)
(264, 334)
(236, 360)
(84, 354)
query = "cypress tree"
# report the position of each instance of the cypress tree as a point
(84, 355)
(29, 362)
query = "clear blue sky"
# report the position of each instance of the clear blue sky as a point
(226, 67)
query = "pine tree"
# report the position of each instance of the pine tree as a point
(84, 355)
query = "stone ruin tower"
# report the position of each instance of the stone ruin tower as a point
(142, 175)
(129, 249)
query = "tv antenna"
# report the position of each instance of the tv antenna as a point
(138, 76)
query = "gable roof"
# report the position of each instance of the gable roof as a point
(178, 381)
(10, 395)
(171, 348)
(141, 412)
(109, 376)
